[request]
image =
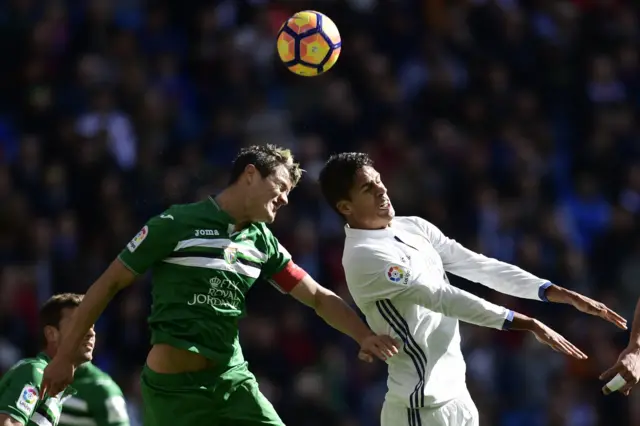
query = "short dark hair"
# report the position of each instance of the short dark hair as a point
(338, 175)
(51, 311)
(266, 158)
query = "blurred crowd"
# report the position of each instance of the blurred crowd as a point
(510, 124)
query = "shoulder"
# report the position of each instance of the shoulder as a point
(364, 254)
(418, 225)
(273, 246)
(412, 223)
(28, 369)
(180, 212)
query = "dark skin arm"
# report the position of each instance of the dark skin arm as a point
(628, 364)
(59, 373)
(584, 304)
(546, 335)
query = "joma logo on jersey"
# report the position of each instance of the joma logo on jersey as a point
(207, 232)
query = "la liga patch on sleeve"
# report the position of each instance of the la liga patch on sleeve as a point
(138, 239)
(27, 400)
(397, 274)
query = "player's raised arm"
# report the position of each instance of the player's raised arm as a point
(153, 243)
(625, 373)
(378, 275)
(288, 277)
(509, 279)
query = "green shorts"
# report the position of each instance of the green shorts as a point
(205, 398)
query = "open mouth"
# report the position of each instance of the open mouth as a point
(385, 204)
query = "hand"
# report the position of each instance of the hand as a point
(57, 375)
(585, 304)
(628, 366)
(555, 341)
(382, 347)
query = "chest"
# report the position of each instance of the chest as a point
(219, 255)
(417, 252)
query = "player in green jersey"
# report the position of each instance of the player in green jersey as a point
(98, 400)
(204, 259)
(21, 402)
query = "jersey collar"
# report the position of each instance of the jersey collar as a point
(368, 233)
(224, 214)
(43, 356)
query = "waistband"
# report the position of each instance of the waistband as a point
(204, 377)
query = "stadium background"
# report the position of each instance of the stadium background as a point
(513, 125)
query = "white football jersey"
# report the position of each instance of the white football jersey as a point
(397, 278)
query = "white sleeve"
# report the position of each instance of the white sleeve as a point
(499, 276)
(374, 275)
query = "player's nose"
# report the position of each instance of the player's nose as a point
(284, 199)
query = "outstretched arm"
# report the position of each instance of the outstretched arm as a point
(154, 242)
(95, 301)
(333, 310)
(509, 279)
(378, 277)
(628, 364)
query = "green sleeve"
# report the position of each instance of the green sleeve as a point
(21, 394)
(278, 256)
(108, 405)
(155, 241)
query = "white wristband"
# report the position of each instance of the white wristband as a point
(616, 383)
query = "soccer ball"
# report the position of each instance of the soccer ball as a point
(309, 43)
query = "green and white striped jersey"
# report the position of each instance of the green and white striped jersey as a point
(20, 394)
(201, 272)
(98, 400)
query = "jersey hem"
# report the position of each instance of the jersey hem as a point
(159, 337)
(127, 265)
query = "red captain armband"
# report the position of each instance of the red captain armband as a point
(289, 277)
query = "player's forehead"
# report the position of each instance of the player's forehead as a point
(365, 175)
(67, 313)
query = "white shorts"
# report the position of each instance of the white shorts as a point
(457, 412)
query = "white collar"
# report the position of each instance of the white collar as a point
(369, 233)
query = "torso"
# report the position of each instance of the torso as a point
(199, 289)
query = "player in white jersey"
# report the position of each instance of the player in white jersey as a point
(396, 272)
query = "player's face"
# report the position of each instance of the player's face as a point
(268, 194)
(85, 351)
(369, 206)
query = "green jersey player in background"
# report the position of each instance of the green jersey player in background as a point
(204, 259)
(98, 400)
(21, 399)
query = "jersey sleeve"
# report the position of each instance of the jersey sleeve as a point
(155, 241)
(20, 397)
(373, 275)
(279, 270)
(492, 273)
(108, 405)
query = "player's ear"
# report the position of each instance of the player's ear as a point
(344, 207)
(250, 173)
(50, 333)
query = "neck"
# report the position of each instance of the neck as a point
(231, 201)
(49, 351)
